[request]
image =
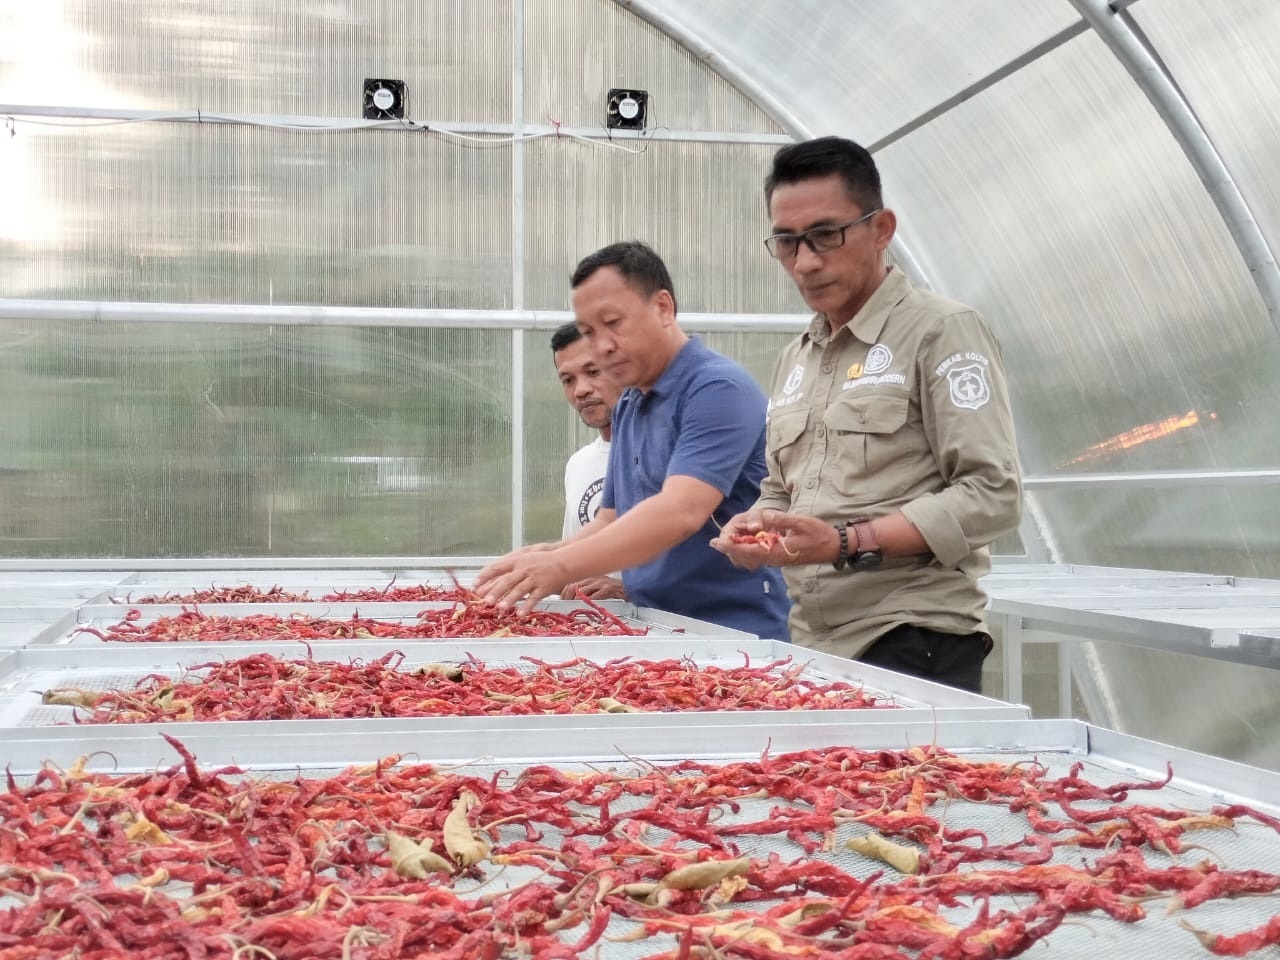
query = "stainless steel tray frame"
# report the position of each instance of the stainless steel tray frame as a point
(919, 700)
(1225, 618)
(659, 622)
(290, 744)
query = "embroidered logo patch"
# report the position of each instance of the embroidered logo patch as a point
(854, 372)
(969, 388)
(793, 381)
(878, 359)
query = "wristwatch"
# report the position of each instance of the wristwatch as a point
(867, 554)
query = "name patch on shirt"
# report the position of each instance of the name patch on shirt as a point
(784, 402)
(966, 375)
(873, 381)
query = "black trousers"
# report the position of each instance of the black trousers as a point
(940, 657)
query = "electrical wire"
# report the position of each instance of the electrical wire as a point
(11, 123)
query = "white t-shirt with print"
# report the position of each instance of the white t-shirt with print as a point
(584, 485)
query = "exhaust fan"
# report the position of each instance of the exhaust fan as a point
(626, 109)
(384, 99)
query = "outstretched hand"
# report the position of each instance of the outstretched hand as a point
(773, 538)
(520, 579)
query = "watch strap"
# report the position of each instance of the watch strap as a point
(864, 535)
(866, 548)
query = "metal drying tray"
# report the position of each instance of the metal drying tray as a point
(293, 744)
(656, 622)
(315, 581)
(1107, 758)
(25, 674)
(20, 628)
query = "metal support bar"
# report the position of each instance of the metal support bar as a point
(1179, 478)
(517, 438)
(1182, 122)
(488, 131)
(1065, 648)
(979, 85)
(101, 311)
(517, 276)
(1013, 659)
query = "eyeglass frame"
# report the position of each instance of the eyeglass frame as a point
(808, 240)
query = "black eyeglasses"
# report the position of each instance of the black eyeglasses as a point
(785, 246)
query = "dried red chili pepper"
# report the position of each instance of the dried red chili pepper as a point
(316, 867)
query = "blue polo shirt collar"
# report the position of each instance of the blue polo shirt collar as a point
(677, 370)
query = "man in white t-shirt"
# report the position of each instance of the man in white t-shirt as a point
(593, 395)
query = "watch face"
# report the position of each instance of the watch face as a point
(867, 560)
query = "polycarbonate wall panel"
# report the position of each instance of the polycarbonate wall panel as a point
(1058, 203)
(700, 205)
(247, 56)
(865, 68)
(578, 50)
(1230, 710)
(1224, 59)
(756, 351)
(552, 432)
(223, 214)
(137, 440)
(1207, 529)
(157, 439)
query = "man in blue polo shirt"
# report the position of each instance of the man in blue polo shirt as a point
(687, 454)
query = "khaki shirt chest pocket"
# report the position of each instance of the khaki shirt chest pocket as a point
(872, 457)
(786, 445)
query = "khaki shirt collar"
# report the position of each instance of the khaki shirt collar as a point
(868, 323)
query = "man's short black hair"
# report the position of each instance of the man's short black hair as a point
(640, 266)
(822, 157)
(565, 334)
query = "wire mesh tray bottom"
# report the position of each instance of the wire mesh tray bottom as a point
(1250, 846)
(20, 704)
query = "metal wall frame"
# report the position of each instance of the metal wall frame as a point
(1123, 38)
(1110, 21)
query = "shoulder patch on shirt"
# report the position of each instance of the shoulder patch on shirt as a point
(969, 388)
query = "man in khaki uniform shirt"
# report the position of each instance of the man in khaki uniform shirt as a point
(891, 452)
